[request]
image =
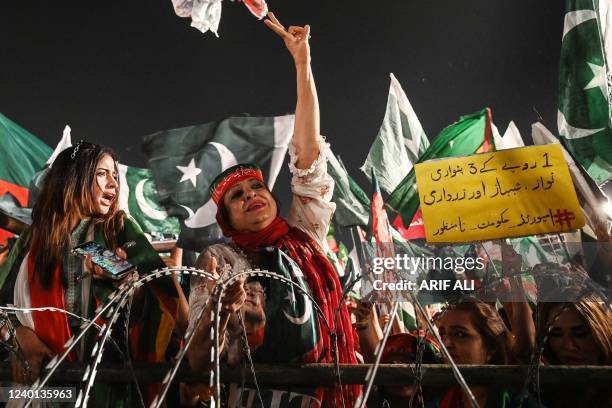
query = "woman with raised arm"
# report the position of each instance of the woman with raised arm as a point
(248, 213)
(79, 203)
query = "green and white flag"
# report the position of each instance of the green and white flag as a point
(532, 251)
(400, 142)
(584, 116)
(352, 203)
(471, 134)
(185, 161)
(592, 200)
(138, 198)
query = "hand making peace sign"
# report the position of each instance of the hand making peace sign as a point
(295, 38)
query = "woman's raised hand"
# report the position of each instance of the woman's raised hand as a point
(295, 38)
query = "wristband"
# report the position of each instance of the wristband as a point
(362, 324)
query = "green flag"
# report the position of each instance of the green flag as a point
(400, 142)
(289, 332)
(185, 161)
(584, 116)
(23, 154)
(532, 251)
(352, 203)
(138, 198)
(471, 134)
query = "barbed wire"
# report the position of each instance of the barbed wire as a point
(98, 349)
(120, 301)
(218, 294)
(15, 349)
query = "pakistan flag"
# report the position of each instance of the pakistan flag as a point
(400, 142)
(584, 116)
(138, 198)
(185, 161)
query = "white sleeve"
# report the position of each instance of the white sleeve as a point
(312, 208)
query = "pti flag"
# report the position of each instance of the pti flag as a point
(185, 161)
(584, 116)
(378, 225)
(471, 134)
(400, 142)
(23, 154)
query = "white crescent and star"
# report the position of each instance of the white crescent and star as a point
(190, 172)
(205, 215)
(570, 132)
(299, 320)
(144, 205)
(599, 78)
(572, 20)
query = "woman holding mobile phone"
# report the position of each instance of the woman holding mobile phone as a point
(79, 203)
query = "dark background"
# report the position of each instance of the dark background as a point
(118, 70)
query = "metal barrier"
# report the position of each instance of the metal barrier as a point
(324, 374)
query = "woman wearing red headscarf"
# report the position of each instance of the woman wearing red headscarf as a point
(248, 214)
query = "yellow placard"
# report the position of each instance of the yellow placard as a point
(509, 193)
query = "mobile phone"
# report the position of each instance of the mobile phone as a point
(113, 266)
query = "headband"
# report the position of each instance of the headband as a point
(231, 176)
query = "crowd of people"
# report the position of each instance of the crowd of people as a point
(79, 203)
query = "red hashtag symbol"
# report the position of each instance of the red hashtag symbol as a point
(564, 217)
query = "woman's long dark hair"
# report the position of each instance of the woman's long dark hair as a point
(490, 325)
(65, 199)
(594, 312)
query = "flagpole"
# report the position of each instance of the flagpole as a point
(371, 374)
(564, 246)
(445, 353)
(358, 248)
(552, 246)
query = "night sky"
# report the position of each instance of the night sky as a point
(118, 70)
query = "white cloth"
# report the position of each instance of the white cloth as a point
(21, 292)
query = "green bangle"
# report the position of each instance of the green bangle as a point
(362, 324)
